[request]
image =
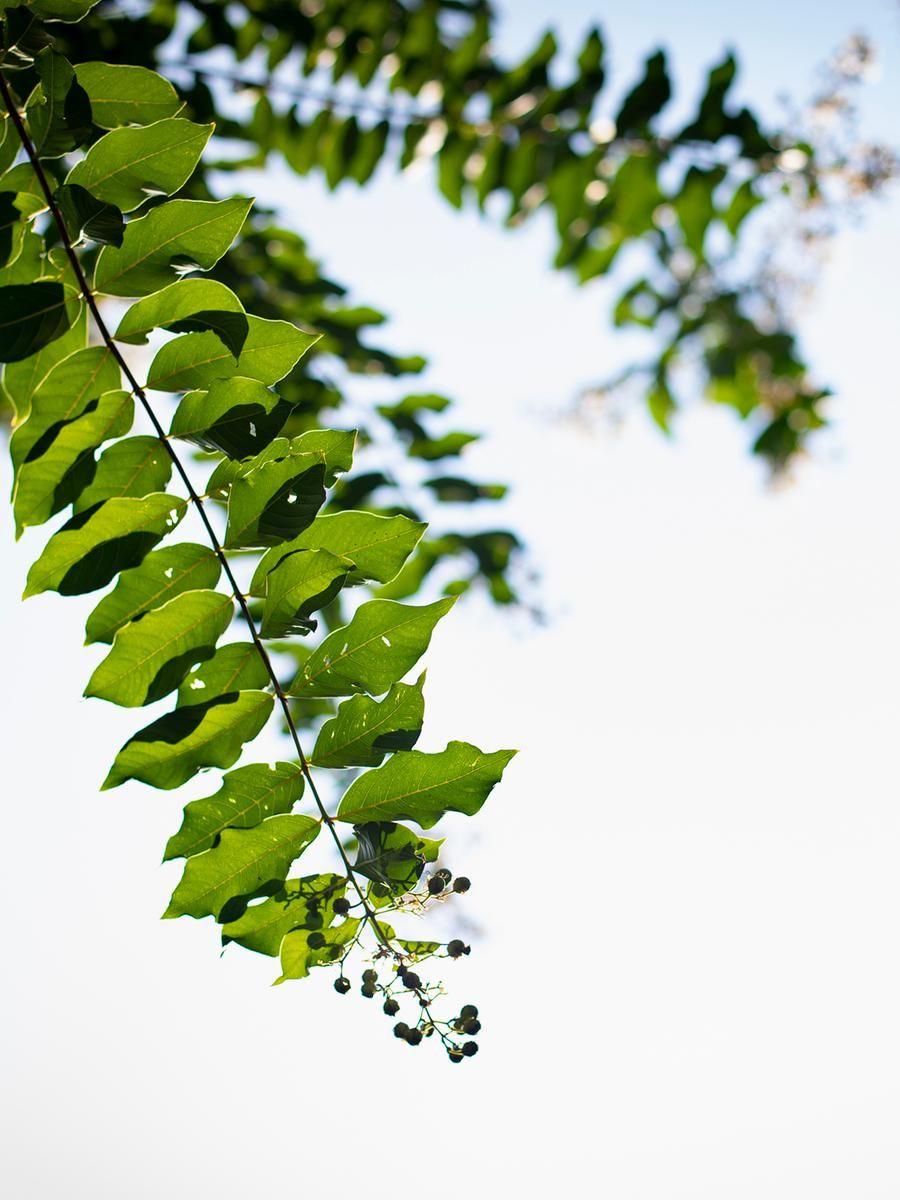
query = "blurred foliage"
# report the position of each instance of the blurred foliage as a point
(340, 86)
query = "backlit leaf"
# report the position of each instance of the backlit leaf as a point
(128, 165)
(163, 574)
(176, 237)
(393, 855)
(274, 501)
(31, 315)
(86, 217)
(135, 466)
(87, 552)
(233, 668)
(423, 787)
(302, 583)
(172, 749)
(242, 861)
(126, 95)
(235, 416)
(382, 642)
(189, 304)
(365, 730)
(297, 956)
(306, 903)
(246, 797)
(151, 657)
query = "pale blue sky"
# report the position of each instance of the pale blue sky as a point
(687, 884)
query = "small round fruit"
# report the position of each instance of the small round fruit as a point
(369, 976)
(342, 985)
(368, 990)
(444, 874)
(316, 941)
(414, 1037)
(341, 906)
(455, 1054)
(472, 1026)
(411, 980)
(401, 1029)
(435, 885)
(391, 1006)
(468, 1012)
(461, 884)
(470, 1049)
(456, 948)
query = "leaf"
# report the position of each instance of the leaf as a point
(393, 855)
(163, 574)
(646, 99)
(237, 417)
(151, 657)
(58, 110)
(377, 546)
(40, 488)
(87, 552)
(126, 95)
(423, 787)
(128, 165)
(302, 583)
(64, 393)
(365, 730)
(180, 236)
(86, 217)
(135, 466)
(21, 379)
(275, 501)
(333, 447)
(306, 903)
(242, 861)
(172, 749)
(245, 798)
(187, 305)
(271, 350)
(383, 640)
(61, 10)
(233, 668)
(297, 956)
(31, 316)
(417, 951)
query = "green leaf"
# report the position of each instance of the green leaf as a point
(163, 574)
(383, 640)
(86, 217)
(306, 903)
(274, 501)
(297, 956)
(235, 416)
(31, 316)
(21, 379)
(418, 951)
(126, 95)
(393, 855)
(41, 483)
(246, 797)
(302, 583)
(128, 165)
(87, 552)
(151, 657)
(63, 394)
(423, 787)
(180, 236)
(271, 350)
(172, 749)
(377, 546)
(332, 447)
(189, 304)
(365, 730)
(58, 110)
(242, 861)
(233, 668)
(136, 466)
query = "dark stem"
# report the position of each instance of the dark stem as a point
(12, 108)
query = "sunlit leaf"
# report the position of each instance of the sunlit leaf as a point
(125, 95)
(235, 416)
(306, 903)
(365, 730)
(235, 667)
(302, 583)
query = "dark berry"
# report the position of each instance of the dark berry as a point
(444, 874)
(456, 948)
(435, 885)
(316, 941)
(369, 976)
(455, 1054)
(411, 980)
(472, 1027)
(391, 1006)
(470, 1049)
(461, 884)
(468, 1012)
(341, 906)
(342, 985)
(368, 990)
(401, 1029)
(415, 1036)
(424, 1001)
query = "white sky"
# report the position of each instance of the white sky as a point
(687, 883)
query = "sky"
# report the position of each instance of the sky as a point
(685, 889)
